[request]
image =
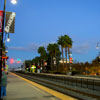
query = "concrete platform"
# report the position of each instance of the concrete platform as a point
(22, 89)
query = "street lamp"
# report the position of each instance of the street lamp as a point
(97, 45)
(6, 49)
(13, 1)
(8, 39)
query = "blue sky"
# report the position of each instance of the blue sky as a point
(39, 22)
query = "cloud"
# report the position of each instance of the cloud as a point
(29, 48)
(81, 49)
(17, 48)
(33, 47)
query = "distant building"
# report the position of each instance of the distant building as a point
(61, 61)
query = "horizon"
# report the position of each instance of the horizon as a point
(38, 23)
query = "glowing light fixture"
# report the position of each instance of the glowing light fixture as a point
(14, 1)
(8, 39)
(11, 61)
(96, 47)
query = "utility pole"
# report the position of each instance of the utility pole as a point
(1, 43)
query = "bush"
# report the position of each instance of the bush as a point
(76, 72)
(56, 72)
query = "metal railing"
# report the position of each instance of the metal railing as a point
(89, 83)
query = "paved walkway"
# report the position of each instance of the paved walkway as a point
(20, 89)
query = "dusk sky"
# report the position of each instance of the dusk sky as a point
(40, 22)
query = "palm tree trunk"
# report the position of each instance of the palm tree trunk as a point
(62, 56)
(66, 55)
(51, 62)
(42, 65)
(55, 61)
(69, 57)
(69, 54)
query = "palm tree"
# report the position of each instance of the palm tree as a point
(50, 49)
(53, 51)
(61, 42)
(68, 45)
(65, 42)
(56, 52)
(36, 60)
(43, 54)
(55, 48)
(27, 63)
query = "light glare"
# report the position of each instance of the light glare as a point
(97, 47)
(14, 1)
(8, 39)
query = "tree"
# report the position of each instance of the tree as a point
(65, 42)
(27, 63)
(61, 42)
(96, 61)
(43, 54)
(53, 50)
(69, 45)
(36, 60)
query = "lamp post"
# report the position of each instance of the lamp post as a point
(97, 47)
(13, 1)
(1, 48)
(70, 58)
(8, 39)
(1, 41)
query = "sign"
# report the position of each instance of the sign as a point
(14, 61)
(6, 57)
(11, 61)
(10, 22)
(1, 20)
(18, 60)
(45, 63)
(71, 60)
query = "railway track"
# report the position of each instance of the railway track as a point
(62, 86)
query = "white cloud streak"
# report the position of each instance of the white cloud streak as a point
(77, 49)
(29, 48)
(81, 49)
(32, 47)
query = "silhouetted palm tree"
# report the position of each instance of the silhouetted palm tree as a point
(43, 54)
(61, 42)
(67, 45)
(65, 42)
(53, 49)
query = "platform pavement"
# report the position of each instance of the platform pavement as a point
(19, 89)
